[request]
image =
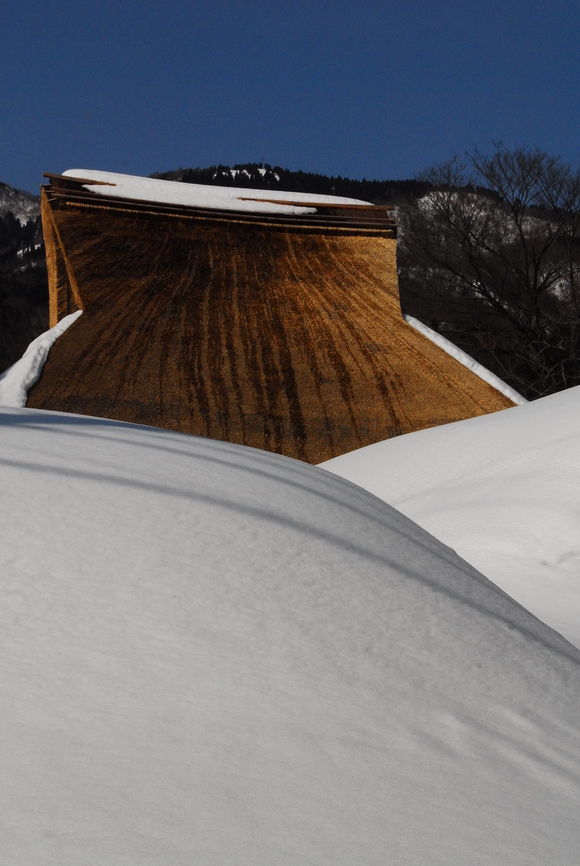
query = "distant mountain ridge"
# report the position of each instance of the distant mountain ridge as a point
(254, 175)
(23, 275)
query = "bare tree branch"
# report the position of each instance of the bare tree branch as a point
(491, 257)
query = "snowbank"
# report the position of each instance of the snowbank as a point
(502, 490)
(217, 655)
(467, 361)
(201, 195)
(16, 381)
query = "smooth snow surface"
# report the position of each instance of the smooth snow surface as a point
(503, 490)
(202, 195)
(16, 381)
(467, 361)
(214, 655)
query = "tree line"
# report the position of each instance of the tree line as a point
(490, 258)
(257, 175)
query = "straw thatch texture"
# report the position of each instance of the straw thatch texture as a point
(286, 338)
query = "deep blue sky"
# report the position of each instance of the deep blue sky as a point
(375, 89)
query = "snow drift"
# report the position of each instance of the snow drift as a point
(218, 655)
(502, 490)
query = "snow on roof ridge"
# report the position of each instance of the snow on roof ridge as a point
(202, 195)
(17, 380)
(467, 361)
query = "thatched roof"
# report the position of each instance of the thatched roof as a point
(280, 330)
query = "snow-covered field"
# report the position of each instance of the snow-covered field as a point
(502, 490)
(215, 655)
(201, 195)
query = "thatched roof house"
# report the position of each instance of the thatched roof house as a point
(223, 313)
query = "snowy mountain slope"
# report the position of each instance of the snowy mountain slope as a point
(217, 655)
(24, 205)
(502, 490)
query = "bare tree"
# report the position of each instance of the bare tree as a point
(491, 258)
